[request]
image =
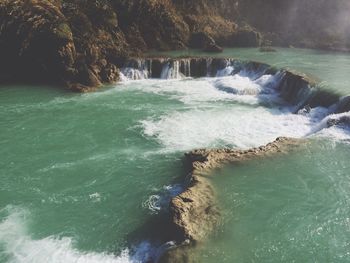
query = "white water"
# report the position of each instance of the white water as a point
(18, 247)
(133, 74)
(239, 127)
(209, 121)
(336, 131)
(234, 88)
(160, 201)
(171, 71)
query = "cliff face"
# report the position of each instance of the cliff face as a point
(83, 43)
(76, 43)
(35, 38)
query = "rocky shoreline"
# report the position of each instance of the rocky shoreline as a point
(195, 213)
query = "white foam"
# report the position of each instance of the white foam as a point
(152, 203)
(240, 127)
(158, 202)
(188, 91)
(128, 73)
(239, 85)
(339, 132)
(336, 134)
(95, 197)
(227, 71)
(236, 88)
(171, 70)
(18, 247)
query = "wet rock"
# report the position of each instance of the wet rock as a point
(343, 105)
(292, 85)
(199, 67)
(157, 67)
(343, 120)
(322, 98)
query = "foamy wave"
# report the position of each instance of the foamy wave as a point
(239, 127)
(158, 202)
(189, 91)
(227, 71)
(225, 87)
(335, 126)
(17, 246)
(238, 85)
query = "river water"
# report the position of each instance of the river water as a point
(84, 175)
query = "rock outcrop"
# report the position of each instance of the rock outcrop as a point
(195, 213)
(82, 44)
(73, 44)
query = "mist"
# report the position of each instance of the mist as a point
(301, 20)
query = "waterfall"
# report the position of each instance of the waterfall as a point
(209, 64)
(185, 67)
(293, 88)
(171, 70)
(228, 70)
(136, 69)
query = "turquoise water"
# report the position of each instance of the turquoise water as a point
(78, 166)
(292, 208)
(82, 175)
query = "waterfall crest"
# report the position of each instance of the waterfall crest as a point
(294, 88)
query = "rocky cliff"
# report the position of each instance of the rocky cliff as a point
(81, 44)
